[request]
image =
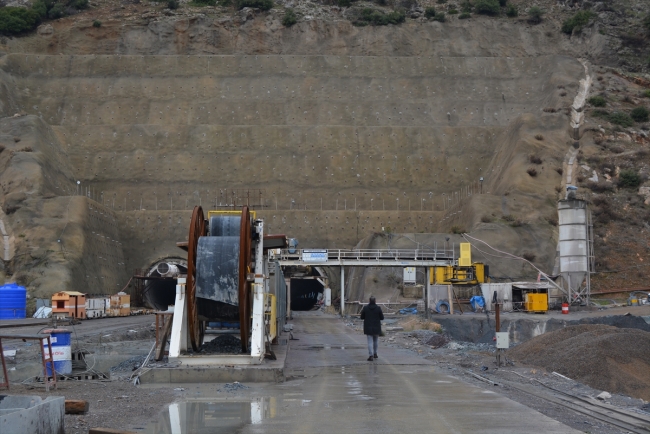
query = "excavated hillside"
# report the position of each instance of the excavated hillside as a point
(111, 133)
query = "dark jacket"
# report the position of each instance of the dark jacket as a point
(371, 314)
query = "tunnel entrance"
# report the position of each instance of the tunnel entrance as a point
(306, 291)
(159, 290)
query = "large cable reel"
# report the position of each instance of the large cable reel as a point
(220, 264)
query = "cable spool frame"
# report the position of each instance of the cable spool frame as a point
(198, 228)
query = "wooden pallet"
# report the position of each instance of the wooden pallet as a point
(76, 377)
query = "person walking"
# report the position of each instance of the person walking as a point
(371, 315)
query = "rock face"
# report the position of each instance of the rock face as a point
(330, 131)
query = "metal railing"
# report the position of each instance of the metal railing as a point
(371, 254)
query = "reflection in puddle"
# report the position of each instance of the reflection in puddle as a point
(213, 417)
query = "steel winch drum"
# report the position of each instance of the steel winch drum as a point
(217, 267)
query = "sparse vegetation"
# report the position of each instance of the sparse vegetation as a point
(559, 170)
(620, 118)
(577, 22)
(487, 7)
(430, 12)
(264, 5)
(378, 18)
(464, 16)
(452, 12)
(597, 101)
(530, 257)
(503, 3)
(532, 171)
(441, 2)
(640, 114)
(629, 178)
(646, 23)
(289, 18)
(508, 217)
(440, 17)
(552, 220)
(600, 186)
(486, 219)
(535, 15)
(457, 230)
(18, 20)
(539, 137)
(97, 23)
(512, 11)
(517, 223)
(535, 159)
(173, 4)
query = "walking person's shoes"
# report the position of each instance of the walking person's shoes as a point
(370, 359)
(375, 355)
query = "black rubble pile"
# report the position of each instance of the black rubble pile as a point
(437, 341)
(129, 365)
(223, 344)
(232, 387)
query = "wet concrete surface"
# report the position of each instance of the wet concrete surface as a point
(331, 387)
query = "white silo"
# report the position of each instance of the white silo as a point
(576, 251)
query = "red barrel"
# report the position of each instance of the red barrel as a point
(565, 308)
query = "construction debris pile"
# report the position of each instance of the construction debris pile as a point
(616, 360)
(224, 344)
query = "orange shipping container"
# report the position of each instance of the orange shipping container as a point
(69, 303)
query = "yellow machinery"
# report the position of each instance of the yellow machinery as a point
(465, 273)
(536, 302)
(530, 296)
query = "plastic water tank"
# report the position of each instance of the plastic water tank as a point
(13, 301)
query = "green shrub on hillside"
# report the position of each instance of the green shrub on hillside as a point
(640, 114)
(464, 16)
(503, 3)
(452, 12)
(289, 18)
(378, 18)
(646, 23)
(18, 20)
(487, 7)
(597, 101)
(466, 6)
(535, 15)
(172, 4)
(577, 22)
(629, 179)
(646, 93)
(98, 23)
(430, 12)
(440, 17)
(204, 2)
(512, 11)
(264, 5)
(620, 118)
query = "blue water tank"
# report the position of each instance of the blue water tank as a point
(13, 301)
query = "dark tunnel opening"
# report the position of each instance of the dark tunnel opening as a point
(159, 291)
(305, 293)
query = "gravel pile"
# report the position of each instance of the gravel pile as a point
(129, 365)
(232, 387)
(223, 344)
(608, 358)
(437, 341)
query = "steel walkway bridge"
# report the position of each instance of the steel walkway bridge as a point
(363, 258)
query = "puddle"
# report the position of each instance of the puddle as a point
(214, 416)
(329, 347)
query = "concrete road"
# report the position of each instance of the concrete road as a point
(332, 388)
(87, 327)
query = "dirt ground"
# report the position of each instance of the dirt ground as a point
(617, 361)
